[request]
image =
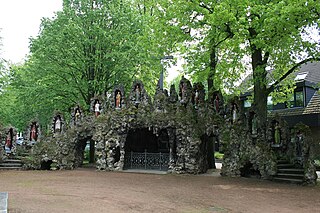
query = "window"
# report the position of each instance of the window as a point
(297, 99)
(301, 76)
(247, 103)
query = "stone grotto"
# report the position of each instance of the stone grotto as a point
(173, 132)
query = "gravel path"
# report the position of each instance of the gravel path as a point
(87, 190)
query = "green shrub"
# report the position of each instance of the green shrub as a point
(218, 155)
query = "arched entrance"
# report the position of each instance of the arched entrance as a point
(145, 150)
(85, 152)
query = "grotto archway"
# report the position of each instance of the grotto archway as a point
(85, 152)
(146, 150)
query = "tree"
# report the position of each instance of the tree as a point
(87, 49)
(266, 34)
(91, 46)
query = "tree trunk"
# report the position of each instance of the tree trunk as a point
(213, 65)
(260, 86)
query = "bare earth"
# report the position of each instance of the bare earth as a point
(87, 190)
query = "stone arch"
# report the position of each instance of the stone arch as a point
(147, 148)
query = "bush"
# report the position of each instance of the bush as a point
(218, 155)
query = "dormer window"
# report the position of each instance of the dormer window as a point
(301, 76)
(297, 99)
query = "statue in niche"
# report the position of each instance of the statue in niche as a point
(196, 99)
(118, 100)
(57, 124)
(9, 139)
(137, 94)
(77, 115)
(33, 132)
(216, 104)
(299, 142)
(97, 108)
(234, 111)
(277, 137)
(254, 129)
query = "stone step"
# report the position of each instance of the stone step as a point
(288, 180)
(12, 161)
(293, 176)
(286, 165)
(291, 171)
(10, 164)
(283, 162)
(10, 168)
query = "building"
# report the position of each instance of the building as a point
(304, 105)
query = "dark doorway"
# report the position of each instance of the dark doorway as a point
(144, 150)
(248, 171)
(86, 152)
(208, 149)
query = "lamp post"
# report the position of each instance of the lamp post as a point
(161, 74)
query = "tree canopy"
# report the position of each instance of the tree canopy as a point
(227, 36)
(93, 45)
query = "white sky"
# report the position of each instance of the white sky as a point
(20, 20)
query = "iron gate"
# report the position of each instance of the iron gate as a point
(146, 160)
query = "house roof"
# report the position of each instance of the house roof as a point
(308, 73)
(312, 69)
(313, 107)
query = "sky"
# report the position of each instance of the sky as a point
(20, 20)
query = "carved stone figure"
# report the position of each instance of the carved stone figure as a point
(118, 100)
(234, 112)
(57, 124)
(299, 141)
(9, 140)
(277, 137)
(77, 115)
(196, 98)
(137, 94)
(97, 108)
(254, 124)
(33, 132)
(216, 104)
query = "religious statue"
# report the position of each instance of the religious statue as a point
(196, 99)
(137, 93)
(254, 124)
(57, 124)
(33, 132)
(183, 90)
(277, 139)
(299, 141)
(234, 112)
(97, 108)
(77, 115)
(216, 104)
(118, 100)
(9, 137)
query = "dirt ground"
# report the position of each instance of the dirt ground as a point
(87, 190)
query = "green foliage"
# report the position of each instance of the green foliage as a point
(225, 39)
(85, 50)
(218, 155)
